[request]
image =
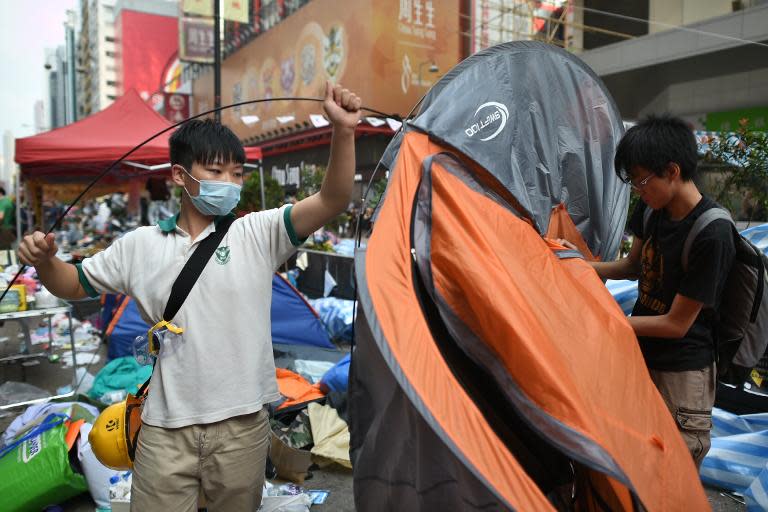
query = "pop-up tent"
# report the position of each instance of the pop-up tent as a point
(294, 322)
(492, 369)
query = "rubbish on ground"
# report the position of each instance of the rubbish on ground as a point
(13, 392)
(290, 463)
(82, 359)
(97, 475)
(113, 397)
(35, 413)
(298, 434)
(120, 492)
(123, 373)
(83, 381)
(298, 503)
(313, 371)
(318, 497)
(330, 434)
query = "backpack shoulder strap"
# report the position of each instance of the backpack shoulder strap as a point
(704, 220)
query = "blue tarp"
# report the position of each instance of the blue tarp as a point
(738, 459)
(294, 322)
(336, 315)
(337, 378)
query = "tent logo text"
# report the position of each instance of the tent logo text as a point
(499, 115)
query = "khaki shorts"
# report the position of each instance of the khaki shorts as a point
(222, 462)
(690, 396)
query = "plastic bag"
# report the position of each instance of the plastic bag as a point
(38, 472)
(97, 475)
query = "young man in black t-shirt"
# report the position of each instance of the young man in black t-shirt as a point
(675, 314)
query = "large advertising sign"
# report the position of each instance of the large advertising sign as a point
(388, 51)
(196, 40)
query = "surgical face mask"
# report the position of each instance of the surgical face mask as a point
(215, 197)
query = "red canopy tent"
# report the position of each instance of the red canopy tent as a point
(89, 145)
(79, 151)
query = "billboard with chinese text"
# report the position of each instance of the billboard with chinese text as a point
(388, 51)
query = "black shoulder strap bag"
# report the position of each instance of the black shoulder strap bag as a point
(179, 292)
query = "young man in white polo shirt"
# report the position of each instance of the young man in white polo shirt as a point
(204, 425)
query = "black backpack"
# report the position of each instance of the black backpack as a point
(742, 326)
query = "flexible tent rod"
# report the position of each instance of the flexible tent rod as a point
(111, 166)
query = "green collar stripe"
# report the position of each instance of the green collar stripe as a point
(84, 281)
(289, 227)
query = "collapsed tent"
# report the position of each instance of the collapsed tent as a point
(492, 368)
(294, 322)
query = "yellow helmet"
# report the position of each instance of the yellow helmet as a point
(115, 433)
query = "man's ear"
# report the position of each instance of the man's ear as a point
(673, 171)
(177, 175)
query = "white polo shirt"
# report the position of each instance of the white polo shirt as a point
(222, 365)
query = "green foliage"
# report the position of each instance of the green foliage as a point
(377, 193)
(311, 178)
(250, 196)
(743, 157)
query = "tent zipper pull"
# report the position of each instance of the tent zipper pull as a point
(413, 254)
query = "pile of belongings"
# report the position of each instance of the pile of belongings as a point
(45, 458)
(309, 423)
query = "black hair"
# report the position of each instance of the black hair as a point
(654, 143)
(205, 142)
(2, 191)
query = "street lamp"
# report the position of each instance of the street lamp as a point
(432, 69)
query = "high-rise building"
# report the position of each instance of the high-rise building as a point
(40, 116)
(97, 76)
(8, 170)
(58, 99)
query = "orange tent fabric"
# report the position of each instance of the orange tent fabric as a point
(295, 388)
(546, 328)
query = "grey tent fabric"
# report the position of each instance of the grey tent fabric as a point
(544, 125)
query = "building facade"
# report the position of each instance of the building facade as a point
(704, 60)
(96, 68)
(58, 98)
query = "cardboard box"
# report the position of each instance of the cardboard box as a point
(290, 463)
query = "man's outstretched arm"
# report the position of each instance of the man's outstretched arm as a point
(343, 110)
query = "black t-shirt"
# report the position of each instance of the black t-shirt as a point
(662, 277)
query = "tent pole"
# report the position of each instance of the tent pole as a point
(261, 184)
(18, 207)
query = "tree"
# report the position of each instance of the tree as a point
(250, 196)
(310, 178)
(743, 157)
